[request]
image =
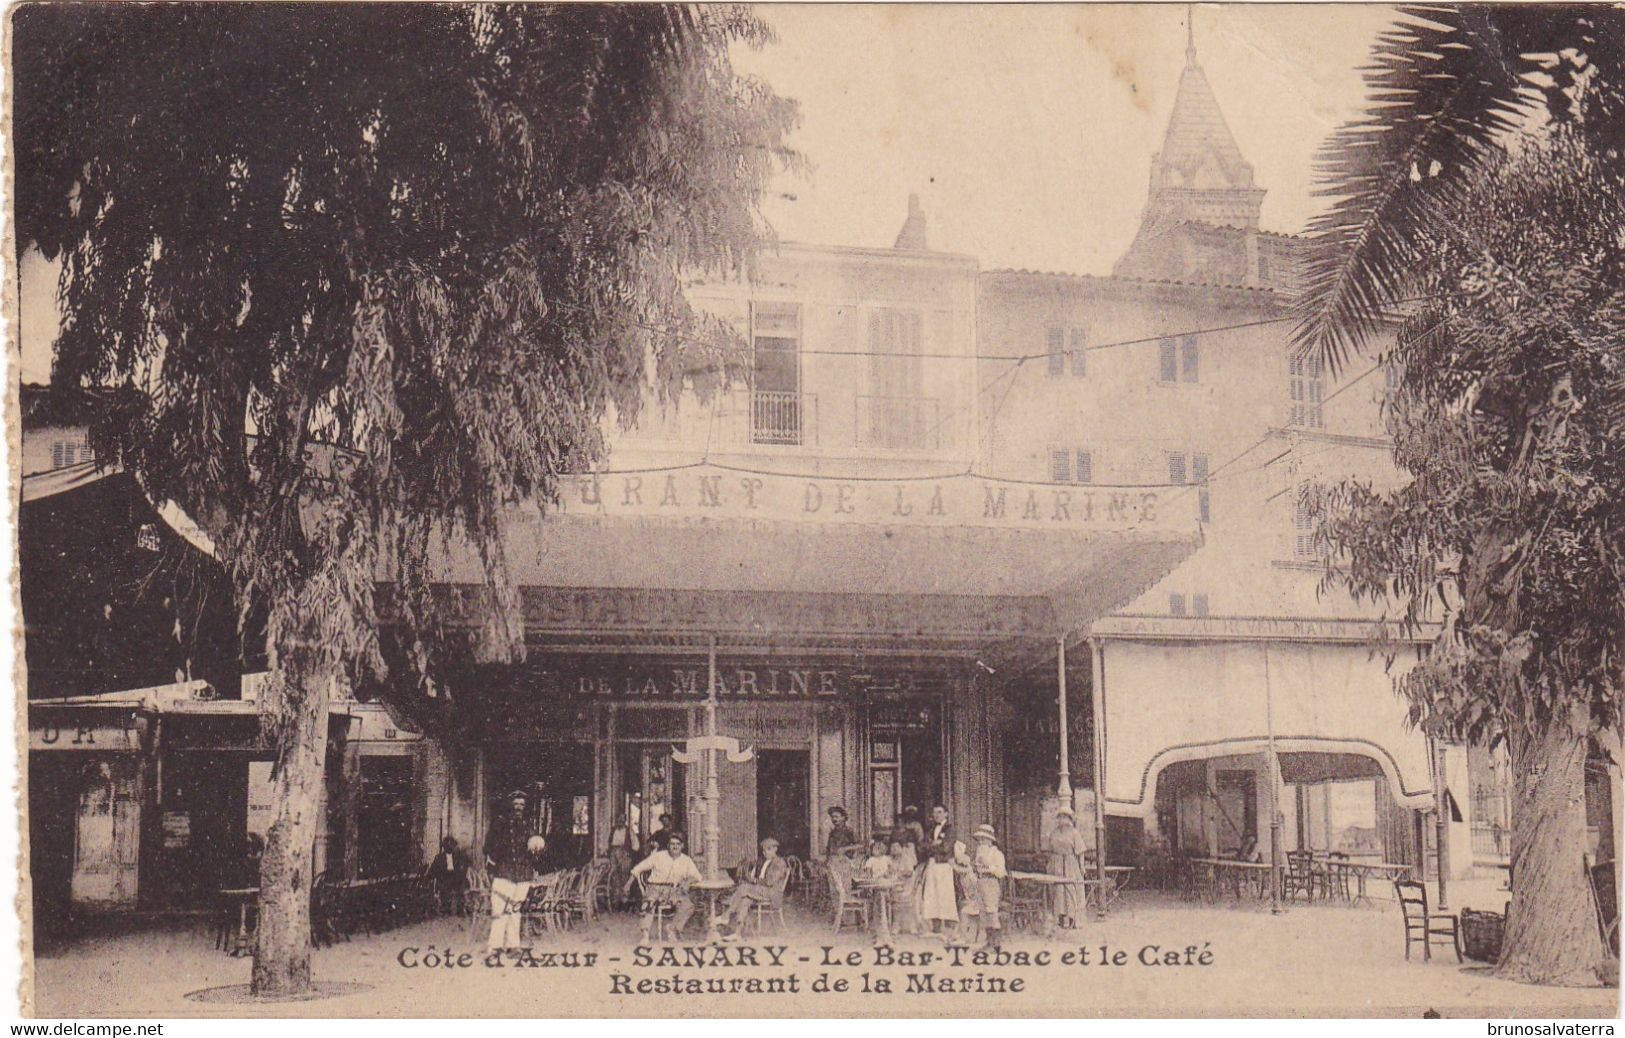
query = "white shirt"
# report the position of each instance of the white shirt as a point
(664, 870)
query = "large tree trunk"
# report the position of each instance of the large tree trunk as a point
(282, 952)
(1552, 936)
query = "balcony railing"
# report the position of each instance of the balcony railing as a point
(781, 418)
(899, 423)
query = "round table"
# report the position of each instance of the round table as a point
(880, 893)
(1049, 880)
(712, 889)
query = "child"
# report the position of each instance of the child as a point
(879, 863)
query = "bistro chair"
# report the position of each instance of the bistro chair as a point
(759, 912)
(477, 901)
(846, 905)
(580, 901)
(1335, 883)
(660, 912)
(1422, 926)
(538, 911)
(1301, 876)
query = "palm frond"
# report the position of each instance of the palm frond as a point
(1444, 85)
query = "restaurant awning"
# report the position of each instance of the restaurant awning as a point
(1195, 689)
(959, 556)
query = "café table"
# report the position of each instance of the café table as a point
(1363, 870)
(1050, 882)
(879, 892)
(712, 890)
(240, 944)
(1239, 870)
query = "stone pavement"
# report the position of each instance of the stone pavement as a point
(1312, 960)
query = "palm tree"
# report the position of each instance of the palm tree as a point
(1448, 87)
(1480, 205)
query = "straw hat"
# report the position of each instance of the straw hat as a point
(985, 832)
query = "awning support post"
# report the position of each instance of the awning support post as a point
(1064, 788)
(1276, 816)
(1441, 811)
(1097, 741)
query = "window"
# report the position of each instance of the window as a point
(1308, 389)
(898, 415)
(1060, 466)
(1062, 470)
(1176, 467)
(1168, 361)
(1065, 347)
(1199, 605)
(1303, 527)
(1187, 358)
(776, 370)
(70, 452)
(1199, 475)
(1176, 605)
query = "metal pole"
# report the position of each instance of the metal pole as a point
(1064, 789)
(1275, 790)
(1097, 740)
(1441, 809)
(713, 796)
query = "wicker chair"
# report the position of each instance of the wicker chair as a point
(477, 901)
(846, 905)
(1301, 876)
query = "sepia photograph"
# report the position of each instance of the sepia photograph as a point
(833, 511)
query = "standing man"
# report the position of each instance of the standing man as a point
(667, 875)
(508, 857)
(841, 835)
(761, 882)
(657, 839)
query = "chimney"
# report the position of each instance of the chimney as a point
(912, 236)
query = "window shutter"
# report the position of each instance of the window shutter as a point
(1176, 467)
(1080, 355)
(1060, 467)
(1188, 358)
(1169, 362)
(1176, 605)
(1199, 605)
(1055, 349)
(1086, 467)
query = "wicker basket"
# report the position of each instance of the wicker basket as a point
(1481, 934)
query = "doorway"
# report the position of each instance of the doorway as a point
(783, 780)
(557, 777)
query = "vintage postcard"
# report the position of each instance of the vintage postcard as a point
(818, 511)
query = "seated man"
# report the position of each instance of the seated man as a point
(760, 883)
(666, 875)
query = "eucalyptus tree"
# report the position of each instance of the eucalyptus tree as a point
(364, 277)
(1480, 206)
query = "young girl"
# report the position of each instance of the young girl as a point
(879, 864)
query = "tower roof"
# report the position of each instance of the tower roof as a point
(1198, 150)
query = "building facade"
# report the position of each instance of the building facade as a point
(984, 538)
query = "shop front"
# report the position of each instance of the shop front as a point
(593, 740)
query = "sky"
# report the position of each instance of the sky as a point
(1026, 129)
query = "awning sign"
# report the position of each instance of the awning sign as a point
(83, 736)
(720, 493)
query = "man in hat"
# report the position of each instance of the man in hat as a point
(990, 873)
(508, 858)
(761, 882)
